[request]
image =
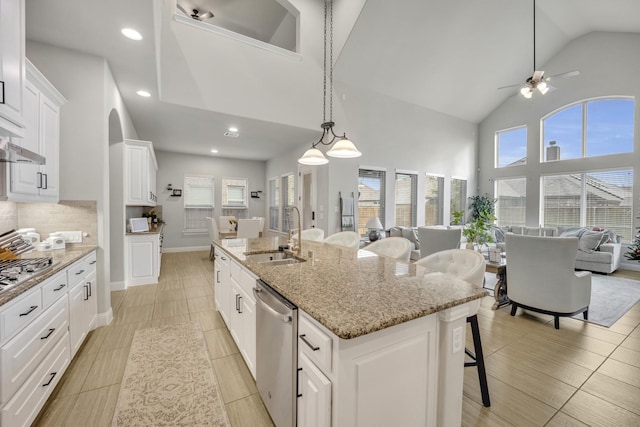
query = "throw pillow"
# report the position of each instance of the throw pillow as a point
(573, 232)
(591, 240)
(412, 235)
(395, 232)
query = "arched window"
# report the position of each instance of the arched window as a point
(591, 128)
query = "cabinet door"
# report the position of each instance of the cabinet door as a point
(136, 175)
(235, 320)
(314, 402)
(151, 178)
(91, 304)
(224, 290)
(77, 318)
(248, 331)
(12, 65)
(49, 148)
(25, 178)
(141, 262)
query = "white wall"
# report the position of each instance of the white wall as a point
(609, 65)
(87, 83)
(172, 168)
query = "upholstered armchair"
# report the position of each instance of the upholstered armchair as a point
(433, 239)
(541, 276)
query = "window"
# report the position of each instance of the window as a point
(288, 199)
(511, 198)
(511, 147)
(434, 200)
(198, 202)
(274, 204)
(371, 194)
(591, 128)
(458, 200)
(592, 199)
(234, 197)
(406, 199)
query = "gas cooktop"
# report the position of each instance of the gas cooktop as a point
(16, 271)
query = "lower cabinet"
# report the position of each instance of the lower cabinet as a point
(41, 331)
(233, 285)
(314, 395)
(142, 259)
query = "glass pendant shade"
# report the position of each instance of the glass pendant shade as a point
(344, 149)
(313, 157)
(526, 92)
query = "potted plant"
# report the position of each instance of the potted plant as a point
(234, 223)
(482, 206)
(477, 231)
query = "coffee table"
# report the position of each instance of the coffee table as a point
(500, 291)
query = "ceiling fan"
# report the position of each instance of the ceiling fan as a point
(195, 13)
(538, 80)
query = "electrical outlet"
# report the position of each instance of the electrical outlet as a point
(456, 341)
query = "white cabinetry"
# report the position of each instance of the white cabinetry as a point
(236, 304)
(83, 308)
(314, 395)
(12, 59)
(140, 169)
(142, 259)
(42, 102)
(35, 347)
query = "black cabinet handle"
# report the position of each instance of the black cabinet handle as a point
(1, 82)
(89, 284)
(46, 181)
(218, 276)
(86, 294)
(62, 285)
(49, 334)
(303, 337)
(93, 262)
(240, 304)
(237, 309)
(298, 394)
(79, 272)
(53, 375)
(33, 307)
(39, 179)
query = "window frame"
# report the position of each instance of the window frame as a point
(497, 145)
(440, 199)
(206, 209)
(413, 197)
(381, 175)
(462, 198)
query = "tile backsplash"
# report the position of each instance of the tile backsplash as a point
(67, 215)
(8, 217)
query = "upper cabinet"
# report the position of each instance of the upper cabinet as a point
(140, 169)
(12, 67)
(42, 102)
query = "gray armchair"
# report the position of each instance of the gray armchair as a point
(541, 276)
(434, 239)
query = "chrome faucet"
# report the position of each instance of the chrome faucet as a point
(298, 249)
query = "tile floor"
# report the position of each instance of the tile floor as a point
(579, 375)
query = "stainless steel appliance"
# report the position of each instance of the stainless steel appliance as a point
(15, 271)
(276, 353)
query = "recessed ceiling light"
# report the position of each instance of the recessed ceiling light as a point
(143, 93)
(214, 151)
(132, 34)
(233, 129)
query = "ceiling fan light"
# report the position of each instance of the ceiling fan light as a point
(526, 92)
(543, 88)
(344, 149)
(313, 157)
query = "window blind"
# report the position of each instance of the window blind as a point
(234, 193)
(458, 195)
(274, 204)
(406, 193)
(198, 202)
(434, 200)
(511, 201)
(371, 196)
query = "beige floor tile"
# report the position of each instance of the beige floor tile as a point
(626, 355)
(133, 314)
(199, 291)
(142, 289)
(72, 381)
(552, 349)
(592, 410)
(170, 309)
(209, 319)
(120, 336)
(164, 321)
(621, 371)
(234, 378)
(170, 285)
(139, 298)
(170, 295)
(107, 369)
(563, 420)
(573, 339)
(206, 303)
(116, 298)
(220, 343)
(248, 412)
(94, 340)
(614, 391)
(56, 412)
(95, 408)
(632, 343)
(474, 414)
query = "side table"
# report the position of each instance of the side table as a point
(500, 291)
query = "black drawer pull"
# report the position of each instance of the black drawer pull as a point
(33, 307)
(93, 262)
(53, 375)
(62, 285)
(303, 337)
(2, 102)
(51, 330)
(89, 284)
(86, 294)
(79, 272)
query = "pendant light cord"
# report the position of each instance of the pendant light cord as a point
(331, 61)
(328, 12)
(534, 36)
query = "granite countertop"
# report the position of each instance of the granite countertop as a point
(354, 292)
(62, 258)
(154, 229)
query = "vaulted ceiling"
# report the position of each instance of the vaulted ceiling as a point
(445, 55)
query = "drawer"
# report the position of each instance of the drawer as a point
(54, 288)
(25, 405)
(20, 313)
(315, 344)
(76, 272)
(90, 261)
(21, 356)
(247, 282)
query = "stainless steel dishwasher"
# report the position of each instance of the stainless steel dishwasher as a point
(276, 353)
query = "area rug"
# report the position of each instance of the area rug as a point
(611, 297)
(169, 381)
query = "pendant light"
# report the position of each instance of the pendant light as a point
(343, 147)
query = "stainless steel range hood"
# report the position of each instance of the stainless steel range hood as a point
(12, 153)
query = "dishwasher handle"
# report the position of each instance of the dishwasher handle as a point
(285, 318)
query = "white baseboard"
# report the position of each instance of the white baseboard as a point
(187, 249)
(633, 266)
(117, 286)
(104, 319)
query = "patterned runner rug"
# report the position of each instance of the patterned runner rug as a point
(169, 381)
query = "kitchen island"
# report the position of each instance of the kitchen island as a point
(391, 334)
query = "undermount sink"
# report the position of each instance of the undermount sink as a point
(274, 258)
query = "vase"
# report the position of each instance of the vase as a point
(470, 246)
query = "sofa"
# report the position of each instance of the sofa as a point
(409, 233)
(599, 250)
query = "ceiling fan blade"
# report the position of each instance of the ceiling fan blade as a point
(510, 86)
(205, 16)
(563, 75)
(182, 9)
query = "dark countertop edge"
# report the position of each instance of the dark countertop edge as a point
(63, 257)
(153, 230)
